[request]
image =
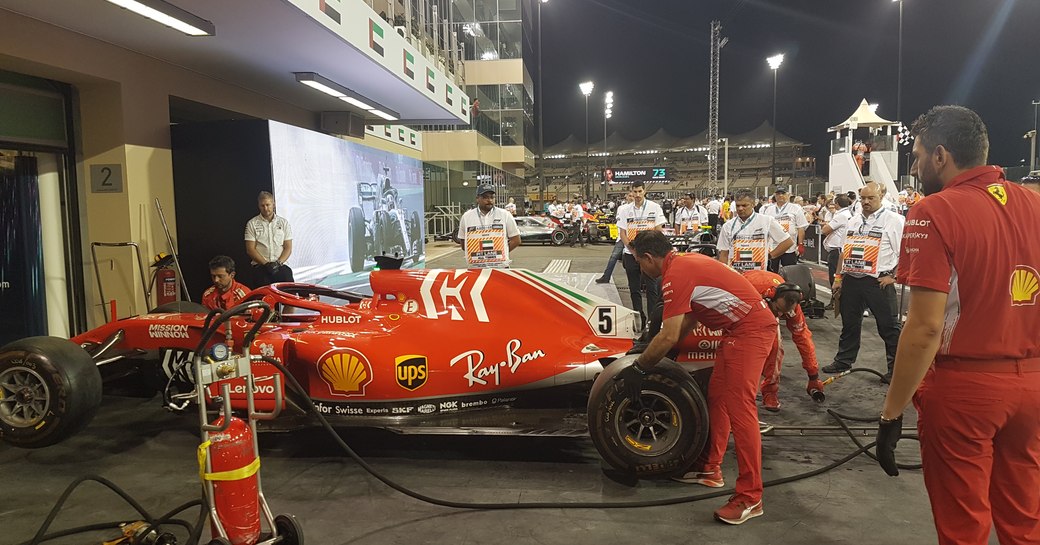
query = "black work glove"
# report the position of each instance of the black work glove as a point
(631, 380)
(887, 436)
(638, 347)
(272, 267)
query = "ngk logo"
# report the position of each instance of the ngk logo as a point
(459, 293)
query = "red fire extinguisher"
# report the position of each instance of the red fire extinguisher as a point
(234, 463)
(165, 279)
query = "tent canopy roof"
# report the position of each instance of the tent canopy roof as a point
(864, 116)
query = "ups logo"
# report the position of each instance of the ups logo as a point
(411, 371)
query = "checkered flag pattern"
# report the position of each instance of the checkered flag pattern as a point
(903, 134)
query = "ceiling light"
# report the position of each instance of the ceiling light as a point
(355, 102)
(169, 15)
(384, 115)
(323, 88)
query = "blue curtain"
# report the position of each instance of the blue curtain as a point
(23, 305)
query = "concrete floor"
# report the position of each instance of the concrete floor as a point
(151, 454)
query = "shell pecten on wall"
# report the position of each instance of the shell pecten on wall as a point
(346, 372)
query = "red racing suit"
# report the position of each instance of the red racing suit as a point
(979, 404)
(764, 281)
(213, 299)
(722, 299)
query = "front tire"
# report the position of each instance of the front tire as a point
(356, 231)
(558, 238)
(660, 439)
(50, 389)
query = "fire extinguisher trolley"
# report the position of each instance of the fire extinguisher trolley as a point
(229, 459)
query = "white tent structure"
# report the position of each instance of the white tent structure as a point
(845, 174)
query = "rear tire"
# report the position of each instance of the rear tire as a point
(558, 238)
(661, 440)
(356, 239)
(50, 389)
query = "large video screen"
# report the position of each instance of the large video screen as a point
(346, 203)
(629, 175)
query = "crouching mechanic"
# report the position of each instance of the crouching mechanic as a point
(783, 299)
(697, 288)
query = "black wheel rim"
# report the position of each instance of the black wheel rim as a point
(24, 397)
(651, 429)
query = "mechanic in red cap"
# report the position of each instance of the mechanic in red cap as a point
(783, 299)
(225, 291)
(696, 288)
(970, 339)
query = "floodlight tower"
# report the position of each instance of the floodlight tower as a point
(717, 42)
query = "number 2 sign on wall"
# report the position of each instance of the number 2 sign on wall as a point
(106, 178)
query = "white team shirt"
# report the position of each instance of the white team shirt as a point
(870, 245)
(714, 206)
(790, 216)
(837, 223)
(495, 226)
(757, 236)
(269, 236)
(634, 218)
(692, 218)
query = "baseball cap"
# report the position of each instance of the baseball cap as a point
(781, 189)
(485, 188)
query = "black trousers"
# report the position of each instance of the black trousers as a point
(832, 263)
(862, 293)
(713, 220)
(263, 277)
(786, 259)
(638, 281)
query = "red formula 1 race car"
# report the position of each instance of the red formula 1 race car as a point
(432, 351)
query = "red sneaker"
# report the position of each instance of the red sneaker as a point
(771, 402)
(738, 511)
(712, 479)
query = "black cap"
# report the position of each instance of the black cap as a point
(781, 189)
(485, 188)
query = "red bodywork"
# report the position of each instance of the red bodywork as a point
(427, 341)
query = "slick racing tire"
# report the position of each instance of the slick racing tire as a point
(50, 389)
(558, 238)
(356, 231)
(186, 307)
(660, 439)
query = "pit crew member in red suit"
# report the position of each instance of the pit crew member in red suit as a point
(225, 291)
(783, 299)
(970, 348)
(697, 288)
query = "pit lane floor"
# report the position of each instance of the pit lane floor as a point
(151, 454)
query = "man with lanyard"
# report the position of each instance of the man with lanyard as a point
(792, 218)
(866, 279)
(698, 289)
(641, 214)
(969, 356)
(832, 233)
(750, 239)
(487, 233)
(783, 299)
(691, 217)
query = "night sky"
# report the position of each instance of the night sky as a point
(654, 55)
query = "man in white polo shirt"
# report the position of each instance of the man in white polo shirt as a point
(690, 216)
(269, 243)
(749, 240)
(792, 218)
(487, 233)
(832, 233)
(641, 214)
(866, 278)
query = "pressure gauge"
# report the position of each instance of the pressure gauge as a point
(220, 352)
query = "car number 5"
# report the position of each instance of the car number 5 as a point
(605, 320)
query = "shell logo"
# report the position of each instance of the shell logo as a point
(1025, 286)
(346, 371)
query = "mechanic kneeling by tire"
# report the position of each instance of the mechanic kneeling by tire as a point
(696, 288)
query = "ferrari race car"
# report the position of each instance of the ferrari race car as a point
(380, 226)
(431, 351)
